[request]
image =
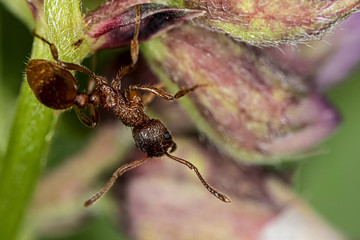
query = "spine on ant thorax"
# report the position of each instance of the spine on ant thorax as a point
(130, 113)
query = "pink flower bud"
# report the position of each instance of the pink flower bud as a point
(272, 22)
(252, 107)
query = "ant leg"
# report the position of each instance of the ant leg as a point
(213, 191)
(183, 91)
(70, 66)
(76, 67)
(135, 41)
(165, 95)
(91, 81)
(134, 51)
(149, 97)
(120, 171)
(53, 49)
(91, 121)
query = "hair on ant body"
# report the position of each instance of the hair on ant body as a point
(55, 87)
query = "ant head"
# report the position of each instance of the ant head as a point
(53, 86)
(153, 138)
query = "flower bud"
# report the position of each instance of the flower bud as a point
(265, 23)
(328, 62)
(251, 107)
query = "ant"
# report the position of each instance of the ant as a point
(55, 87)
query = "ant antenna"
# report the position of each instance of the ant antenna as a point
(120, 171)
(213, 191)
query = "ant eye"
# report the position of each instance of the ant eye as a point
(167, 136)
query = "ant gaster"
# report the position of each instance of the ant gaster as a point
(55, 87)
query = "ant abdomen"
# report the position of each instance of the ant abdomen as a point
(53, 86)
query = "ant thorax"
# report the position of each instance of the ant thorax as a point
(126, 105)
(131, 115)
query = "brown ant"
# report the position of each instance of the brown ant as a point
(55, 87)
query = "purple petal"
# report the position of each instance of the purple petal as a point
(318, 120)
(115, 30)
(345, 53)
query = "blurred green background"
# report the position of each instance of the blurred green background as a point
(328, 181)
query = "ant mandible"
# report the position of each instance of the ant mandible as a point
(55, 87)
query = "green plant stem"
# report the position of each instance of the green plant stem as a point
(33, 125)
(2, 103)
(28, 144)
